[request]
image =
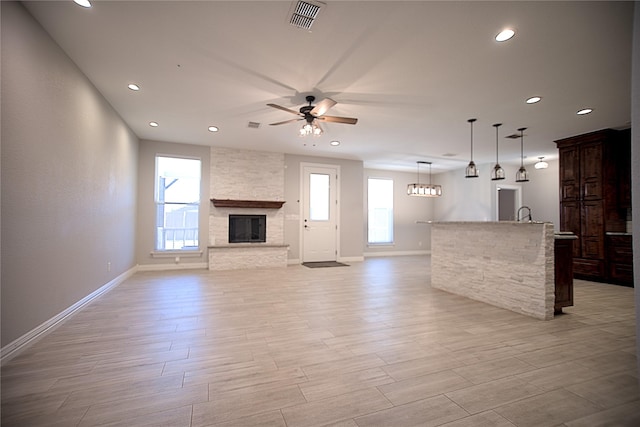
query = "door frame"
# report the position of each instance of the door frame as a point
(518, 199)
(304, 165)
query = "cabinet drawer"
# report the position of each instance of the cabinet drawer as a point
(622, 273)
(620, 249)
(588, 267)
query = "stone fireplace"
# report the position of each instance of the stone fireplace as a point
(251, 184)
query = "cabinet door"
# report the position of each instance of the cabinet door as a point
(570, 221)
(569, 173)
(592, 226)
(591, 171)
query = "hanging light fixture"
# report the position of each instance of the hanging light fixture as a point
(472, 170)
(497, 173)
(310, 128)
(541, 164)
(522, 175)
(424, 190)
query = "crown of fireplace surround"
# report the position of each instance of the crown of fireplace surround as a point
(261, 204)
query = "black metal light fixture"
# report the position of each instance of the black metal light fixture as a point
(424, 190)
(522, 175)
(472, 170)
(497, 173)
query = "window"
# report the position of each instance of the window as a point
(318, 197)
(380, 218)
(177, 196)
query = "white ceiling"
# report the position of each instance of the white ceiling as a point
(411, 72)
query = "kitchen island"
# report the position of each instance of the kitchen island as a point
(506, 264)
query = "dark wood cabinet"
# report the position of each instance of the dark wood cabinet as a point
(619, 248)
(595, 189)
(563, 248)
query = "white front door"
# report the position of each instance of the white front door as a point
(319, 218)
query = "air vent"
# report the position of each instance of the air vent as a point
(304, 14)
(253, 125)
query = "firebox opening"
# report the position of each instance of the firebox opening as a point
(247, 228)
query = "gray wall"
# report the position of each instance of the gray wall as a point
(68, 180)
(145, 243)
(351, 204)
(474, 199)
(408, 236)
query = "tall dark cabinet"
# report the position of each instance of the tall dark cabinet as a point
(595, 191)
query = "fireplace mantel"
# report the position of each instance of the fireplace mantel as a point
(263, 204)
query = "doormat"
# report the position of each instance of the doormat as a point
(324, 264)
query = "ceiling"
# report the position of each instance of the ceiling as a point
(412, 72)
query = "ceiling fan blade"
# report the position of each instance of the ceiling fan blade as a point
(334, 119)
(323, 106)
(284, 109)
(284, 122)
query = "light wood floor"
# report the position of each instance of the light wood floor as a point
(367, 345)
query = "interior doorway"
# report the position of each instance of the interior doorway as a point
(508, 201)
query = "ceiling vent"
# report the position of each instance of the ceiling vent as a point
(305, 13)
(253, 125)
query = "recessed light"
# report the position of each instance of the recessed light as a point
(505, 35)
(83, 3)
(153, 124)
(133, 86)
(335, 143)
(584, 111)
(213, 129)
(533, 100)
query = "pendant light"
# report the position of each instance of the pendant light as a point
(472, 170)
(497, 173)
(424, 190)
(522, 175)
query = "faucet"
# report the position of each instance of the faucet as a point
(528, 215)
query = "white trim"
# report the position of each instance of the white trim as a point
(174, 254)
(338, 171)
(397, 253)
(518, 199)
(20, 344)
(294, 262)
(166, 267)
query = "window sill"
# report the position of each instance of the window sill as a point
(380, 245)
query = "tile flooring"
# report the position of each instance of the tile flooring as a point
(366, 345)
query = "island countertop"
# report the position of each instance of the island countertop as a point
(506, 264)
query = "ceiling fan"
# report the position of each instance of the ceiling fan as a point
(312, 114)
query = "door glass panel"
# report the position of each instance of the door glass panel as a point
(318, 197)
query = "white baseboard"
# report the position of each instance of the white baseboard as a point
(20, 344)
(173, 266)
(396, 253)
